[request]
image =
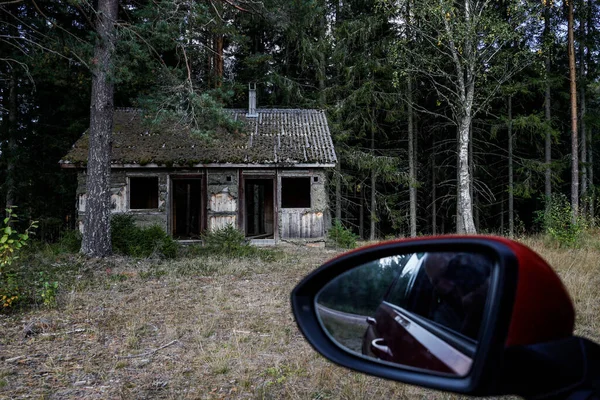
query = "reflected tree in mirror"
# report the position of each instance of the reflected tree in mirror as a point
(421, 310)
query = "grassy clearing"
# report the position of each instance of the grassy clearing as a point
(206, 327)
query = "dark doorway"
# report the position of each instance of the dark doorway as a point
(187, 208)
(259, 208)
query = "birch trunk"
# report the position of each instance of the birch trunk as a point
(96, 236)
(465, 204)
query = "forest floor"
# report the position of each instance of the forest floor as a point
(205, 328)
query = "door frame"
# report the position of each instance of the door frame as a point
(266, 175)
(201, 176)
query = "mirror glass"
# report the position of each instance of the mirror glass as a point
(419, 310)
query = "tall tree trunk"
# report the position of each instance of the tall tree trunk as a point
(338, 189)
(547, 108)
(12, 138)
(511, 188)
(433, 194)
(582, 127)
(412, 181)
(590, 136)
(459, 219)
(411, 164)
(373, 191)
(218, 60)
(464, 178)
(574, 137)
(96, 236)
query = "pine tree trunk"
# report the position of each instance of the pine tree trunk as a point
(433, 193)
(582, 130)
(338, 189)
(12, 138)
(574, 137)
(511, 188)
(411, 164)
(547, 109)
(96, 236)
(218, 60)
(373, 192)
(590, 135)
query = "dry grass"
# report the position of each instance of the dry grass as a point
(206, 328)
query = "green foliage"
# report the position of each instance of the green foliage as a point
(131, 240)
(11, 242)
(69, 242)
(225, 240)
(230, 242)
(341, 237)
(557, 223)
(47, 289)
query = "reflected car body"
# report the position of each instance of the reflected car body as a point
(394, 328)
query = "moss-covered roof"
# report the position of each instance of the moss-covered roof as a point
(275, 136)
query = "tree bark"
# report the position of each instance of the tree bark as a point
(464, 178)
(338, 189)
(433, 194)
(511, 188)
(218, 60)
(12, 138)
(547, 109)
(411, 164)
(96, 236)
(590, 136)
(582, 111)
(574, 137)
(373, 191)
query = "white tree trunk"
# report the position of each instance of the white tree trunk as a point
(465, 203)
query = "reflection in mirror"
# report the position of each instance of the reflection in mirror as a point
(421, 310)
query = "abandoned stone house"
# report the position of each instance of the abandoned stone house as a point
(268, 180)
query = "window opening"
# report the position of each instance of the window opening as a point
(143, 193)
(295, 192)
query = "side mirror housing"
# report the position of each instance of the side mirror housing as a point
(435, 312)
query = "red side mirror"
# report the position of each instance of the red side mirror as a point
(438, 312)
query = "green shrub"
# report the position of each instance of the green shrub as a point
(11, 242)
(131, 240)
(47, 289)
(231, 242)
(225, 240)
(68, 242)
(557, 223)
(341, 237)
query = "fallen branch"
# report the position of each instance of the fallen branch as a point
(13, 359)
(64, 333)
(151, 352)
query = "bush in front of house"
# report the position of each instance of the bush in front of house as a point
(231, 242)
(128, 239)
(341, 237)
